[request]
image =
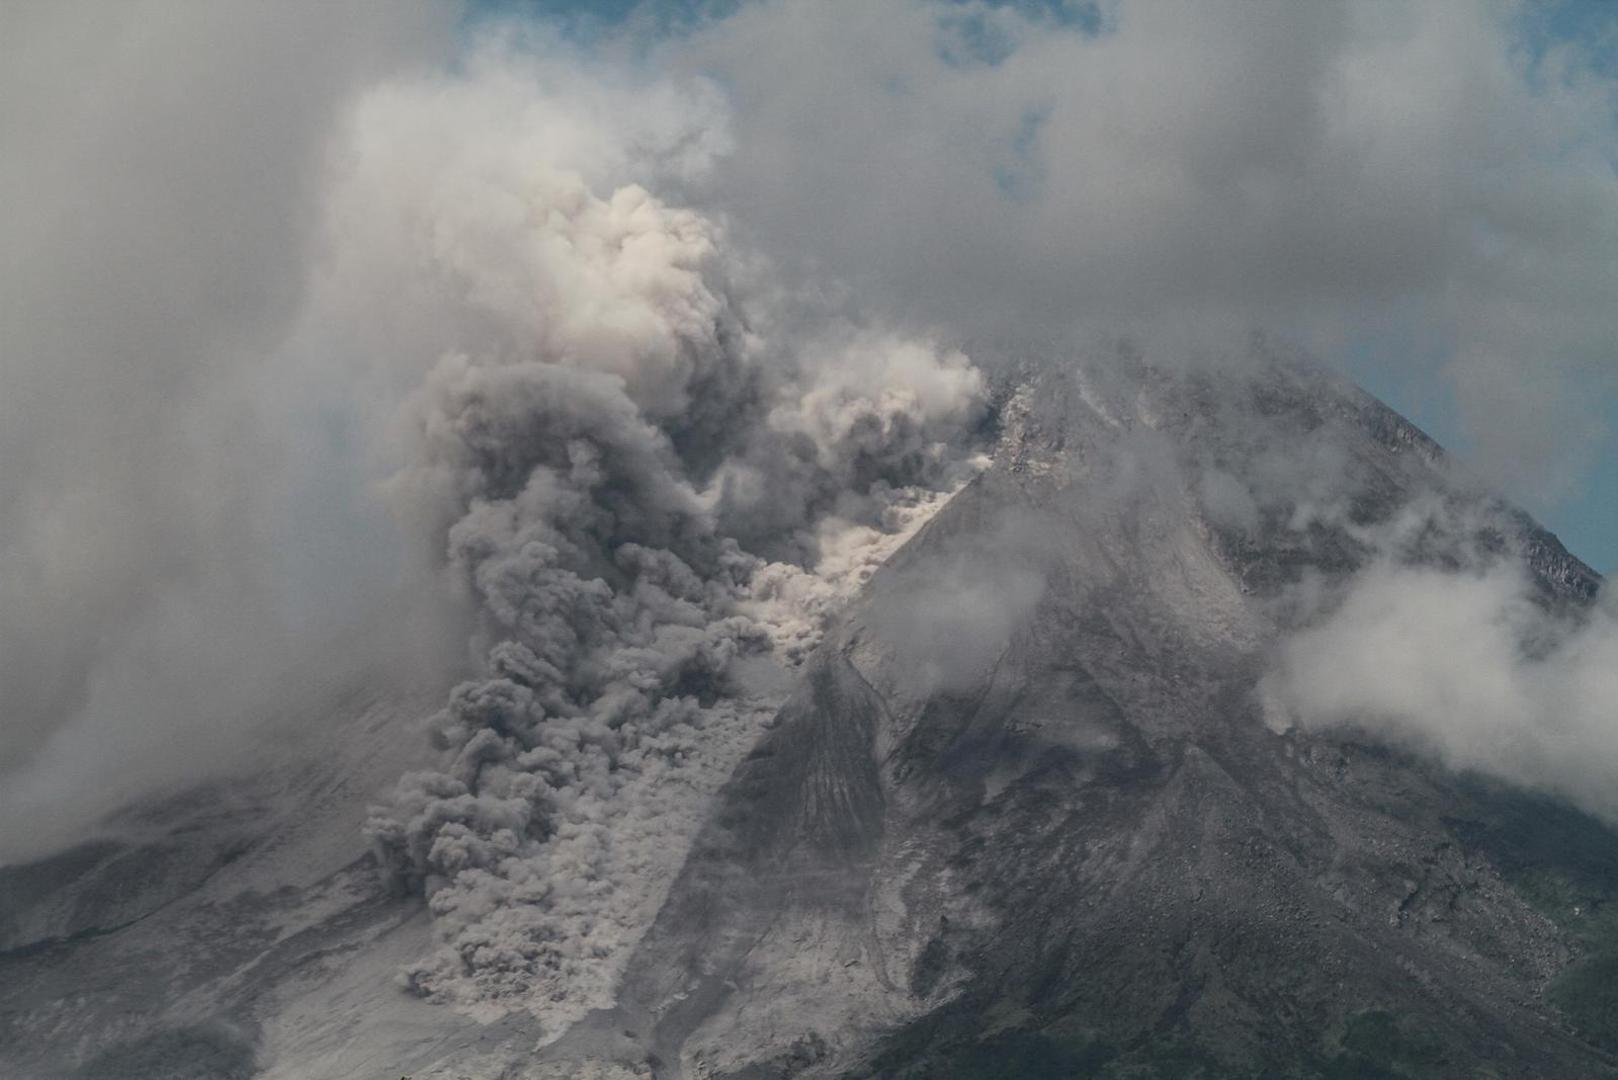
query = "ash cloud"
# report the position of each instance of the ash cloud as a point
(645, 481)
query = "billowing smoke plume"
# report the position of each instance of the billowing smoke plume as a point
(650, 495)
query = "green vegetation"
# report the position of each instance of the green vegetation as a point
(1375, 1045)
(1587, 992)
(1380, 1046)
(1565, 864)
(935, 1051)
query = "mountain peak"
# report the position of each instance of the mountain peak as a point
(1026, 813)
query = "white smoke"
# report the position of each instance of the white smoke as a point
(1466, 660)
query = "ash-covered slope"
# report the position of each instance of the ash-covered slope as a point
(1029, 814)
(240, 928)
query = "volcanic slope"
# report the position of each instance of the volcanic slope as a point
(1027, 814)
(239, 928)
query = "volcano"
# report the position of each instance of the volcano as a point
(1030, 809)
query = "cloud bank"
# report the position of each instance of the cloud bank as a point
(177, 513)
(1425, 193)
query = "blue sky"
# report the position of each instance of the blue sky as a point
(1587, 522)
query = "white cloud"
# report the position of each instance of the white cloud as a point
(1468, 667)
(173, 528)
(1409, 179)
